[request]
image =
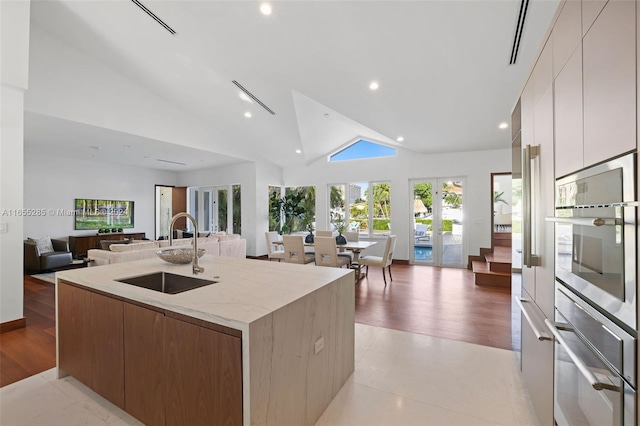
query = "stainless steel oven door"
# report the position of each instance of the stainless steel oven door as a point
(599, 261)
(596, 225)
(587, 391)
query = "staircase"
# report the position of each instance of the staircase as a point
(495, 269)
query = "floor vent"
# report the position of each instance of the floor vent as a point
(249, 94)
(172, 162)
(524, 5)
(153, 15)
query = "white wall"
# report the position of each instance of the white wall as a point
(70, 84)
(54, 183)
(14, 48)
(476, 167)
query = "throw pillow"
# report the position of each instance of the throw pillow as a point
(43, 244)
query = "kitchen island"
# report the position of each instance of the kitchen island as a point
(269, 343)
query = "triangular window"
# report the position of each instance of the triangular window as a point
(362, 149)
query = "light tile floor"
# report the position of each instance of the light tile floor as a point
(400, 379)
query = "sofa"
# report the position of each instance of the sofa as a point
(217, 245)
(41, 254)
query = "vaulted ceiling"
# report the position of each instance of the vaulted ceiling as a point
(442, 68)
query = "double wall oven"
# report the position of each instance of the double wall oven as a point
(595, 325)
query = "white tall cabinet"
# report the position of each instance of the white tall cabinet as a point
(537, 281)
(580, 107)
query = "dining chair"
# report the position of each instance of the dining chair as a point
(294, 250)
(383, 261)
(324, 233)
(272, 236)
(327, 253)
(351, 236)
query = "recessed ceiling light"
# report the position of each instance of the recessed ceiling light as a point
(126, 146)
(247, 114)
(265, 8)
(97, 148)
(298, 151)
(400, 139)
(374, 85)
(503, 125)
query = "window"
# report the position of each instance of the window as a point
(365, 206)
(237, 209)
(362, 149)
(305, 201)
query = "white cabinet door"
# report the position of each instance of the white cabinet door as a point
(568, 117)
(590, 11)
(537, 372)
(567, 34)
(542, 73)
(609, 81)
(543, 205)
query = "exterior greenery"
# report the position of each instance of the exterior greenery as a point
(447, 224)
(293, 212)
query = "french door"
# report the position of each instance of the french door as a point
(214, 211)
(437, 209)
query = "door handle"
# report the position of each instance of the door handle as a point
(586, 221)
(528, 225)
(540, 335)
(596, 383)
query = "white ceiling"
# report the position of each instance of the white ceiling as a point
(442, 66)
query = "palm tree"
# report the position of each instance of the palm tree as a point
(381, 199)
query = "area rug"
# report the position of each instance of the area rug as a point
(49, 277)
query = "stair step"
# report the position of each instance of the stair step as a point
(479, 267)
(484, 276)
(499, 255)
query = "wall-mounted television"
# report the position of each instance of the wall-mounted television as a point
(100, 214)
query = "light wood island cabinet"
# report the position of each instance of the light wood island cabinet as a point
(91, 341)
(145, 364)
(266, 344)
(159, 369)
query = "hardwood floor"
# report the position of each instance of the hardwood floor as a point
(442, 302)
(32, 349)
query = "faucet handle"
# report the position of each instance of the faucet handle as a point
(197, 269)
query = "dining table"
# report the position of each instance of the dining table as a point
(355, 246)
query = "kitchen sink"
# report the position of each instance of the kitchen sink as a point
(166, 282)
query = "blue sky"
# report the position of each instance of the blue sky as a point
(363, 149)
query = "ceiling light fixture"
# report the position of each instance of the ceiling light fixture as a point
(265, 9)
(298, 151)
(374, 85)
(247, 114)
(400, 139)
(503, 125)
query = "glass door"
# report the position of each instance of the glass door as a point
(437, 222)
(219, 209)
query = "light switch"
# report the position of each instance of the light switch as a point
(4, 228)
(319, 345)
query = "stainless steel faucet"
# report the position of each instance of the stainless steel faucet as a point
(196, 267)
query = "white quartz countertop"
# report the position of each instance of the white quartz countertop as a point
(246, 290)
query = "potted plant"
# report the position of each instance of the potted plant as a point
(308, 223)
(340, 224)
